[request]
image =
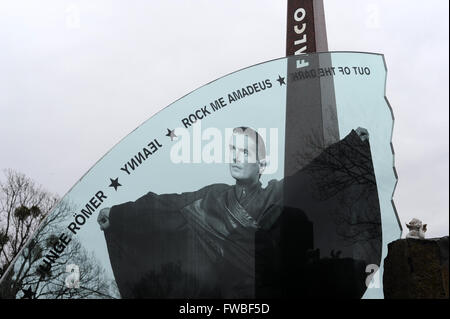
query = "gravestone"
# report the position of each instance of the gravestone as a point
(416, 269)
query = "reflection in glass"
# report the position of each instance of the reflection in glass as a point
(299, 213)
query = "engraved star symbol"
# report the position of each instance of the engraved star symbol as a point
(171, 134)
(281, 80)
(115, 183)
(27, 293)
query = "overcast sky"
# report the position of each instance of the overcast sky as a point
(77, 76)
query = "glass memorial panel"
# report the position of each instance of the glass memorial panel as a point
(275, 181)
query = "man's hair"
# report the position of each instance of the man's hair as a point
(259, 141)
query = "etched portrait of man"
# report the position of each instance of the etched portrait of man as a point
(242, 240)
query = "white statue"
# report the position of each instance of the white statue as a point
(416, 229)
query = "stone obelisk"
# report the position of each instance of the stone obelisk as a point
(311, 119)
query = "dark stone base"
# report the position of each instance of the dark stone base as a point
(417, 268)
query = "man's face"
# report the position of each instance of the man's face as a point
(244, 166)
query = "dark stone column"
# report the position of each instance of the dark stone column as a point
(416, 268)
